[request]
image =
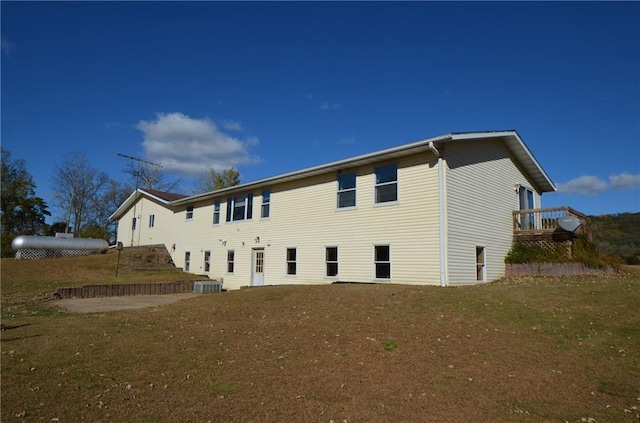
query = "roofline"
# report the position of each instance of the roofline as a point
(513, 140)
(132, 198)
(402, 150)
(545, 183)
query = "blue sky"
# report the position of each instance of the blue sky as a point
(275, 87)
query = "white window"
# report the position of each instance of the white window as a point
(240, 207)
(189, 212)
(207, 261)
(331, 261)
(216, 212)
(382, 261)
(480, 264)
(346, 190)
(230, 260)
(152, 220)
(266, 203)
(291, 261)
(187, 260)
(386, 183)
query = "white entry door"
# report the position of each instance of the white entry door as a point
(257, 271)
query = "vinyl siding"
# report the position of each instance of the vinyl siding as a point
(160, 233)
(481, 195)
(304, 215)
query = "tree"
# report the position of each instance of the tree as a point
(77, 190)
(144, 175)
(22, 213)
(211, 180)
(114, 194)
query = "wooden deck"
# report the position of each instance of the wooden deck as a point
(543, 223)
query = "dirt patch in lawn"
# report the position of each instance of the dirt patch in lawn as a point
(102, 304)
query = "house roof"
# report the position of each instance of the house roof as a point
(159, 196)
(168, 196)
(511, 138)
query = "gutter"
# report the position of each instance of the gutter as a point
(443, 273)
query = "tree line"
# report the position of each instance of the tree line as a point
(83, 195)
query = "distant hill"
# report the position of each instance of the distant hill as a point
(618, 235)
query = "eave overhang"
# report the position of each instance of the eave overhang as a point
(512, 140)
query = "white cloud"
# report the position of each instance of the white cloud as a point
(189, 146)
(625, 181)
(593, 185)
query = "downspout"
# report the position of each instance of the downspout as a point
(443, 273)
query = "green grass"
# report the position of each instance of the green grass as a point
(524, 350)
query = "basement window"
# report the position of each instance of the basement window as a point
(207, 261)
(382, 261)
(292, 262)
(230, 260)
(480, 264)
(331, 261)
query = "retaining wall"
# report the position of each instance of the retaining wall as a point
(552, 269)
(118, 290)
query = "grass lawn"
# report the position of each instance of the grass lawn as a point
(517, 350)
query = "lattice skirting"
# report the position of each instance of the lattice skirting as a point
(33, 254)
(549, 244)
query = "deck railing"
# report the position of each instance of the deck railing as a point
(538, 221)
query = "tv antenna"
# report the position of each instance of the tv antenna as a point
(137, 159)
(137, 174)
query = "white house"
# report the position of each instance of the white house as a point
(433, 212)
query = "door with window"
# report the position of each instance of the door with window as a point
(257, 264)
(526, 203)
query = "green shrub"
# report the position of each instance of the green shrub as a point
(521, 253)
(582, 251)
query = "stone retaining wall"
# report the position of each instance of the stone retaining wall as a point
(118, 290)
(552, 269)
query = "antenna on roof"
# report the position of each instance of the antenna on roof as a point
(137, 159)
(137, 174)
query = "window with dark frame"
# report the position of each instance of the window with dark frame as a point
(133, 224)
(266, 203)
(187, 260)
(240, 207)
(216, 212)
(331, 261)
(152, 220)
(346, 190)
(230, 260)
(207, 261)
(291, 261)
(386, 187)
(480, 264)
(382, 261)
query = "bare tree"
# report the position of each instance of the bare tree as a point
(211, 180)
(144, 175)
(77, 190)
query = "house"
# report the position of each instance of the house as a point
(440, 211)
